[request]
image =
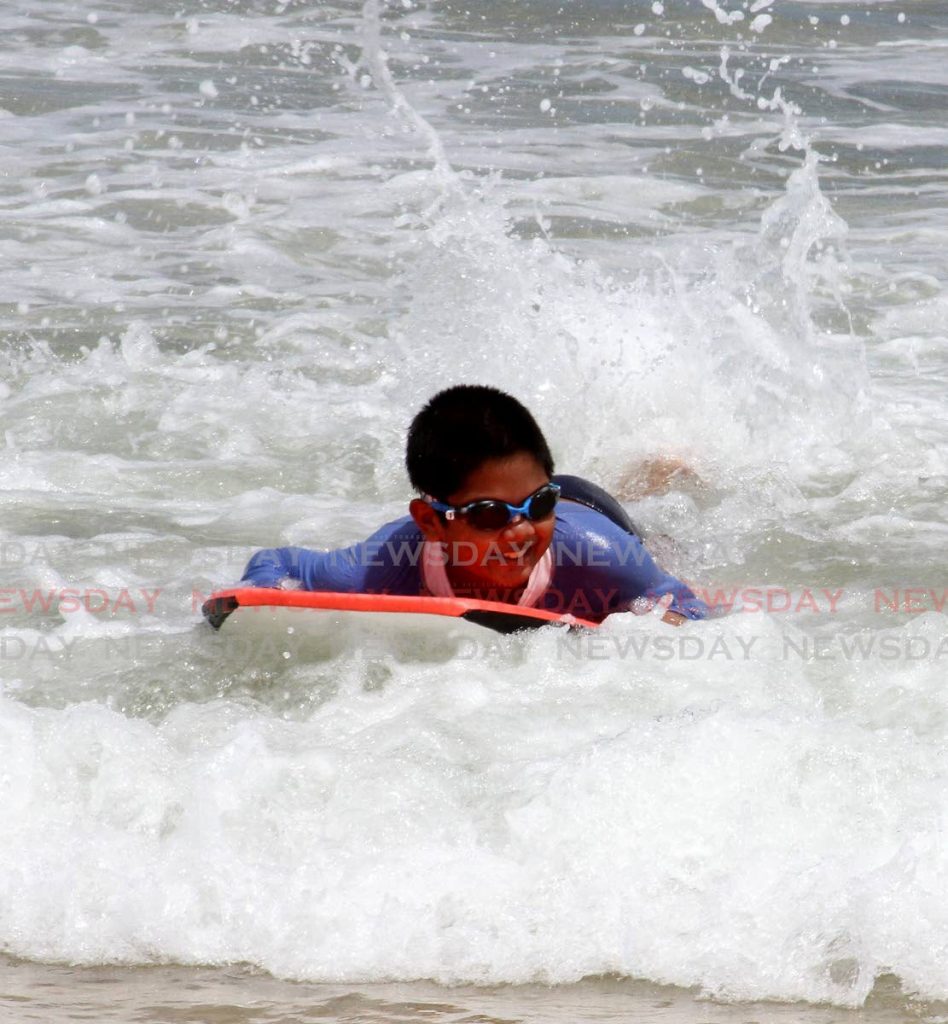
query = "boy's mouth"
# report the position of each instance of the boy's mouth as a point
(519, 554)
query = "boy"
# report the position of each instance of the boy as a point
(492, 522)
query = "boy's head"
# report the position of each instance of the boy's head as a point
(462, 428)
(474, 446)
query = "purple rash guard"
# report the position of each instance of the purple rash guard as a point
(598, 568)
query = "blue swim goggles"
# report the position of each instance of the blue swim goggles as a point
(492, 514)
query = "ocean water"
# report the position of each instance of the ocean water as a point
(242, 242)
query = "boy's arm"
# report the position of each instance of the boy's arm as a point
(684, 606)
(292, 568)
(635, 575)
(386, 562)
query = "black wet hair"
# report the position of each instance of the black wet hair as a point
(460, 429)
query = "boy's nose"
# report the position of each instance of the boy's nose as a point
(518, 527)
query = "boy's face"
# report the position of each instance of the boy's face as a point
(501, 559)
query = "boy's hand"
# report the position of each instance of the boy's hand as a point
(657, 476)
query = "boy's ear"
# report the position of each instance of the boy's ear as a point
(426, 519)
